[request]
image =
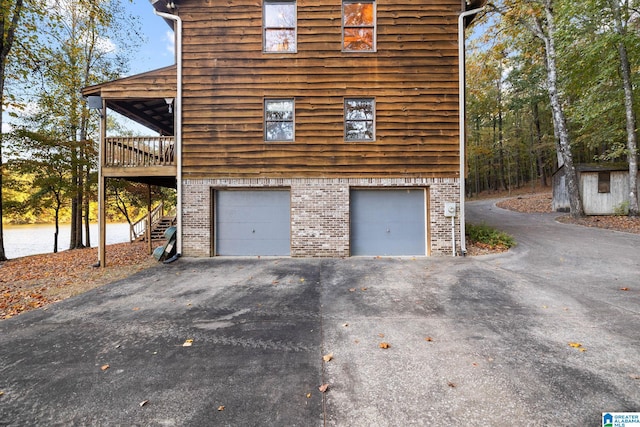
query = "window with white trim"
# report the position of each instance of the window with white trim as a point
(278, 120)
(358, 26)
(359, 119)
(279, 26)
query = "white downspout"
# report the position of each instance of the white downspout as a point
(178, 122)
(462, 119)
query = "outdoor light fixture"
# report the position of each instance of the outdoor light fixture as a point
(169, 102)
(95, 103)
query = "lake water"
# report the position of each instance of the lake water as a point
(23, 240)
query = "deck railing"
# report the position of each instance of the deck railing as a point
(141, 226)
(139, 151)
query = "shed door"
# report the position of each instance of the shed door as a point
(252, 222)
(388, 222)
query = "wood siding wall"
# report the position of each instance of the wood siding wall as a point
(413, 78)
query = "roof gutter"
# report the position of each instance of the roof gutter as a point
(462, 119)
(178, 121)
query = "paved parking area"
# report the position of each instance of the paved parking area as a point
(471, 341)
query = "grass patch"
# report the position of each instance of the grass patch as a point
(488, 236)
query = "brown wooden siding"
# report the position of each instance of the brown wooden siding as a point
(413, 77)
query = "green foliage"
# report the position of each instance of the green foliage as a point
(506, 75)
(622, 209)
(489, 236)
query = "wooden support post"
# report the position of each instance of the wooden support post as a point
(149, 244)
(102, 225)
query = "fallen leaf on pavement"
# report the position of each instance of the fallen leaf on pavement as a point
(104, 367)
(308, 395)
(327, 357)
(221, 408)
(575, 344)
(384, 345)
(188, 343)
(323, 388)
(450, 384)
(144, 402)
(428, 339)
(624, 289)
(352, 289)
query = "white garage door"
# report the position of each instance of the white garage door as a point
(388, 222)
(252, 222)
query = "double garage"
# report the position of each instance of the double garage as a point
(385, 222)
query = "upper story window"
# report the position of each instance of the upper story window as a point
(279, 23)
(358, 26)
(278, 119)
(359, 119)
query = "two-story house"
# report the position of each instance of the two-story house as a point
(302, 128)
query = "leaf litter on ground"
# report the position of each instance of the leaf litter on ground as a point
(35, 281)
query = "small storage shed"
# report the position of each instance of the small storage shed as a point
(604, 188)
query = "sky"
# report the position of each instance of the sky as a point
(158, 49)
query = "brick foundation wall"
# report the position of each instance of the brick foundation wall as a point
(319, 212)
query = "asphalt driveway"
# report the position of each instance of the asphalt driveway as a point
(471, 341)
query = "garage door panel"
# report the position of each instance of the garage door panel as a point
(250, 222)
(388, 222)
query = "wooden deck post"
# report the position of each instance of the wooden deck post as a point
(102, 226)
(149, 244)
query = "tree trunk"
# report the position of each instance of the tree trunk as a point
(87, 228)
(7, 38)
(563, 141)
(502, 174)
(632, 136)
(56, 233)
(73, 242)
(80, 197)
(539, 159)
(3, 257)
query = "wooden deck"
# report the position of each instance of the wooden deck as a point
(139, 157)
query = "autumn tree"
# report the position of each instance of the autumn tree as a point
(599, 44)
(47, 165)
(510, 133)
(621, 18)
(538, 18)
(80, 46)
(16, 32)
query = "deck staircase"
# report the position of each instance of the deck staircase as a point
(158, 229)
(160, 222)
